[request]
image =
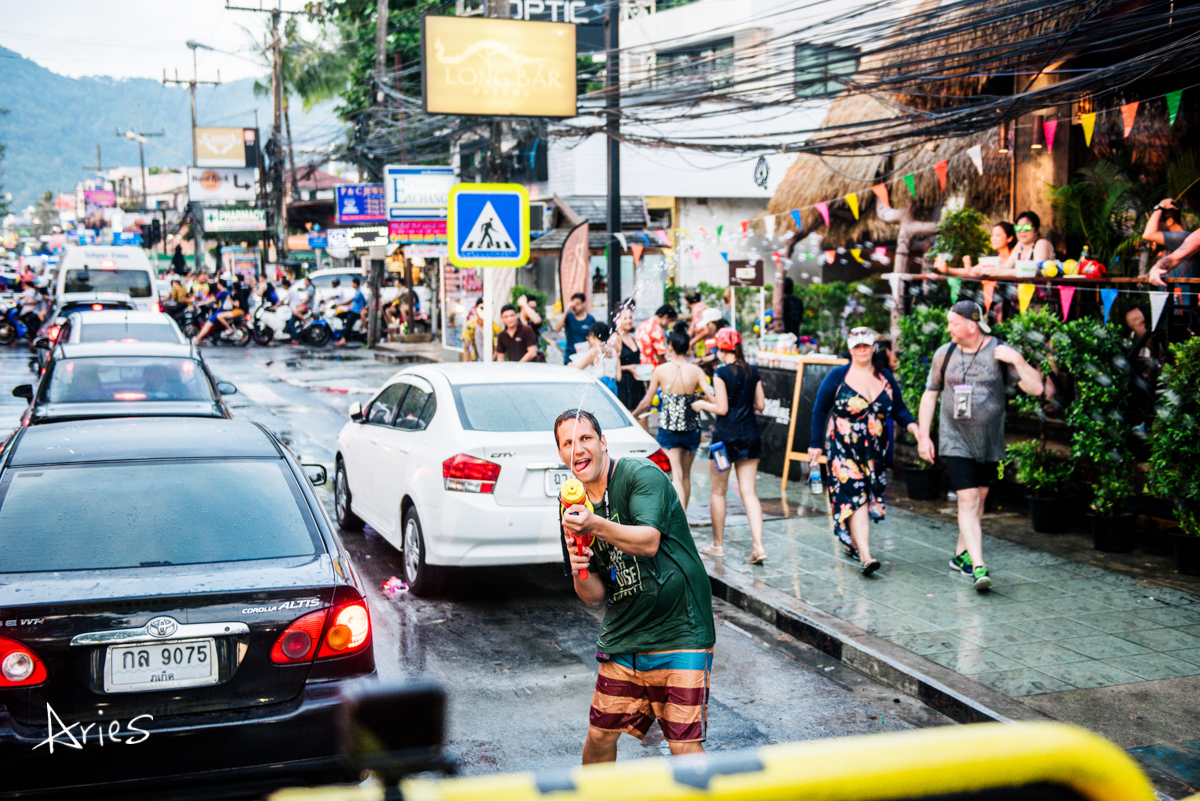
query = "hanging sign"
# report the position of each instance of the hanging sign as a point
(417, 193)
(360, 204)
(226, 147)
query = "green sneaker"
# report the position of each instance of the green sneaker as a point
(982, 582)
(962, 562)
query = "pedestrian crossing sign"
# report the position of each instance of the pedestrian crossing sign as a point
(488, 225)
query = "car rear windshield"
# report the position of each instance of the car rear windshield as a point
(128, 332)
(141, 514)
(101, 379)
(134, 283)
(533, 407)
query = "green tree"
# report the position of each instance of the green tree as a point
(961, 232)
(45, 215)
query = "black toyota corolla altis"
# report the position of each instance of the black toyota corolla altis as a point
(176, 610)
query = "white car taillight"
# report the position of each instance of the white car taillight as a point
(463, 473)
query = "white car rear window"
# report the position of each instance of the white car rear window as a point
(533, 407)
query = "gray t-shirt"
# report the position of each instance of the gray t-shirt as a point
(1188, 268)
(980, 436)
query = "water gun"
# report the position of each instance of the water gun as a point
(570, 494)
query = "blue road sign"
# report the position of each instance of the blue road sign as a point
(488, 225)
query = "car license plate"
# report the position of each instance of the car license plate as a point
(555, 480)
(161, 665)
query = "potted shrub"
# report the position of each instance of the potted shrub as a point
(921, 333)
(1175, 450)
(962, 232)
(1046, 477)
(1093, 352)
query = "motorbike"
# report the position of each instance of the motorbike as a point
(267, 325)
(12, 327)
(190, 321)
(318, 329)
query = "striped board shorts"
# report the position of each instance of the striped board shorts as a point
(634, 690)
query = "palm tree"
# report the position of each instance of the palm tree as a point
(45, 215)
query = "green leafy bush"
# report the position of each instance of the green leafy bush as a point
(1175, 441)
(1031, 334)
(1038, 470)
(921, 333)
(962, 232)
(542, 298)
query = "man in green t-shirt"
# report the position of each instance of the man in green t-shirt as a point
(656, 643)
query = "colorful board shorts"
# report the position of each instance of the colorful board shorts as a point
(634, 690)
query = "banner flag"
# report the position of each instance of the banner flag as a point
(1024, 295)
(662, 237)
(1173, 99)
(745, 228)
(910, 181)
(976, 154)
(852, 202)
(940, 168)
(1128, 115)
(637, 254)
(621, 239)
(1066, 294)
(1088, 121)
(1050, 127)
(989, 287)
(1158, 300)
(955, 285)
(1108, 297)
(881, 194)
(829, 254)
(823, 207)
(796, 216)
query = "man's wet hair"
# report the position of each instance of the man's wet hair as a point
(508, 307)
(666, 310)
(576, 414)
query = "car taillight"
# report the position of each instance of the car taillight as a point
(158, 307)
(463, 473)
(19, 666)
(296, 642)
(660, 458)
(97, 307)
(349, 630)
(52, 333)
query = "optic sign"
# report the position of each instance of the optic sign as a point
(416, 231)
(362, 236)
(360, 204)
(498, 67)
(226, 147)
(220, 220)
(588, 18)
(417, 193)
(488, 225)
(222, 185)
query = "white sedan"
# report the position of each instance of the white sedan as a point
(456, 466)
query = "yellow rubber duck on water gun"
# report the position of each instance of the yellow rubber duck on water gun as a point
(570, 494)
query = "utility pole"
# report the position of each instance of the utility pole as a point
(612, 130)
(198, 235)
(140, 138)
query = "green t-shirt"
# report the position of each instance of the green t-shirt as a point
(658, 603)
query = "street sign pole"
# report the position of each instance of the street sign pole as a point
(486, 322)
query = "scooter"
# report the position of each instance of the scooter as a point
(11, 326)
(317, 330)
(267, 325)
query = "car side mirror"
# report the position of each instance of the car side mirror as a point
(370, 739)
(23, 391)
(41, 342)
(356, 412)
(316, 473)
(225, 388)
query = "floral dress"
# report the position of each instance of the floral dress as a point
(856, 447)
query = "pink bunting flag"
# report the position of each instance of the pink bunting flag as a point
(941, 168)
(1050, 126)
(637, 253)
(829, 255)
(745, 228)
(1128, 115)
(662, 237)
(1065, 294)
(823, 207)
(881, 194)
(989, 287)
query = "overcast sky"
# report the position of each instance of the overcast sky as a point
(138, 38)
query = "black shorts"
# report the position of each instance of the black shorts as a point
(968, 474)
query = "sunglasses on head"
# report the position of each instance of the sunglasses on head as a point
(1022, 228)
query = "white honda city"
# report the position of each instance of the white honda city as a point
(456, 466)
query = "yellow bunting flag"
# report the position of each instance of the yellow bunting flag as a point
(857, 254)
(1024, 295)
(1088, 121)
(852, 202)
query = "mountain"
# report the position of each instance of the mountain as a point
(54, 123)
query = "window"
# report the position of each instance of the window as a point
(417, 409)
(708, 65)
(533, 407)
(105, 379)
(128, 332)
(822, 69)
(381, 409)
(134, 283)
(131, 514)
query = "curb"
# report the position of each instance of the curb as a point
(403, 358)
(955, 696)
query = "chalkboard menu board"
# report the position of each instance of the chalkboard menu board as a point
(810, 372)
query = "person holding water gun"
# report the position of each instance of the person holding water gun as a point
(656, 642)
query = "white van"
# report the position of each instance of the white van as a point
(88, 269)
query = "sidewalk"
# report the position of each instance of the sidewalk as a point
(1093, 639)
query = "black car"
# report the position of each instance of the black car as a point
(144, 379)
(176, 610)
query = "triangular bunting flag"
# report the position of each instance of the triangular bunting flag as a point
(745, 228)
(881, 194)
(645, 239)
(989, 287)
(769, 225)
(823, 208)
(707, 235)
(1128, 115)
(1158, 300)
(720, 229)
(662, 237)
(857, 254)
(910, 181)
(940, 168)
(1173, 99)
(955, 285)
(1065, 294)
(621, 239)
(1108, 297)
(976, 154)
(796, 216)
(1088, 121)
(637, 254)
(1050, 127)
(1024, 295)
(829, 254)
(852, 202)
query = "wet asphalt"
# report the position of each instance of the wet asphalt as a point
(513, 647)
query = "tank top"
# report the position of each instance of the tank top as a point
(675, 411)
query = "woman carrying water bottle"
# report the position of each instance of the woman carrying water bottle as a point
(850, 420)
(735, 440)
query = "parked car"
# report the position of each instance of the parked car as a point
(176, 586)
(146, 379)
(456, 465)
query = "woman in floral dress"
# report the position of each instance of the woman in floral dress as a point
(849, 422)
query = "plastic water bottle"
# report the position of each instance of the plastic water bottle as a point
(814, 479)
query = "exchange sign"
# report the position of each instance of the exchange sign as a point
(417, 193)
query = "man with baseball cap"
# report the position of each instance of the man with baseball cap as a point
(970, 371)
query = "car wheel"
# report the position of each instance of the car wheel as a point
(8, 333)
(346, 519)
(422, 579)
(318, 336)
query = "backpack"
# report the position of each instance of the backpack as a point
(1005, 367)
